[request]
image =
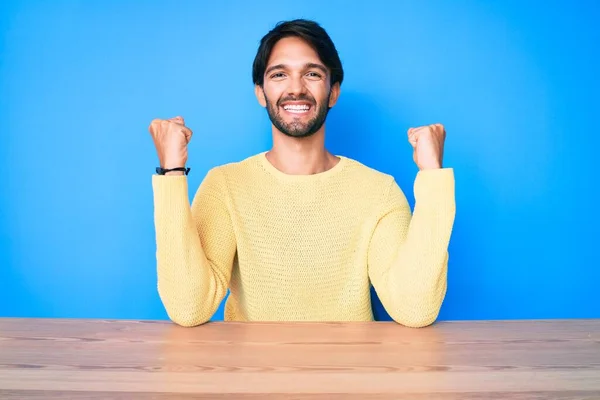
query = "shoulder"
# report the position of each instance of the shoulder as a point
(380, 186)
(219, 179)
(368, 176)
(233, 174)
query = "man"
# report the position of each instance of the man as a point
(297, 233)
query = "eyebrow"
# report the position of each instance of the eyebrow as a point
(306, 66)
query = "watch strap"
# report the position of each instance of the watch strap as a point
(162, 171)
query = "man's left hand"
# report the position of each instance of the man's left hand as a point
(428, 145)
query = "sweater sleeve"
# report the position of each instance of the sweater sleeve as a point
(195, 247)
(408, 254)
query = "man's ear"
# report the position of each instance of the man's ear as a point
(335, 94)
(260, 95)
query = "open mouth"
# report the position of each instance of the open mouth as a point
(297, 108)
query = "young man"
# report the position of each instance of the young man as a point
(297, 233)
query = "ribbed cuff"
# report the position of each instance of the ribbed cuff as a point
(435, 187)
(170, 192)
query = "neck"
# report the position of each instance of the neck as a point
(301, 156)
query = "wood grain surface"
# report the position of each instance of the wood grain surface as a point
(116, 359)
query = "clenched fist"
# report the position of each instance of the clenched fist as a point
(171, 138)
(428, 145)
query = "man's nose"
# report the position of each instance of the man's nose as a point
(296, 86)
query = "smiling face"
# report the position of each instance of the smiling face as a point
(296, 89)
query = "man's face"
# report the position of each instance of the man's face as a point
(296, 89)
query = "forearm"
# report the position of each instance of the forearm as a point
(417, 278)
(189, 285)
(409, 259)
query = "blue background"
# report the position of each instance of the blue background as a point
(515, 83)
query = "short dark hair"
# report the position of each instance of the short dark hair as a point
(312, 33)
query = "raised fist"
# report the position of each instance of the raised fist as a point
(171, 138)
(428, 145)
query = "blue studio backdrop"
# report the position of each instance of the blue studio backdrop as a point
(515, 83)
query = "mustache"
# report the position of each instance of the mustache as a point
(302, 97)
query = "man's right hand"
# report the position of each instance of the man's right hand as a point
(171, 138)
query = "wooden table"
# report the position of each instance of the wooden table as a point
(106, 359)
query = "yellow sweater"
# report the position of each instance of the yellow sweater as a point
(302, 247)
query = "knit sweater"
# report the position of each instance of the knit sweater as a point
(302, 247)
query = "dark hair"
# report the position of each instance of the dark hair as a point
(312, 33)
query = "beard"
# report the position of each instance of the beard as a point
(298, 128)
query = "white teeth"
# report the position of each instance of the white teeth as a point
(296, 107)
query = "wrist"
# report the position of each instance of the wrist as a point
(173, 164)
(430, 166)
(172, 171)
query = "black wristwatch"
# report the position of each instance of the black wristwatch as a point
(162, 171)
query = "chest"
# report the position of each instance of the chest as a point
(302, 223)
